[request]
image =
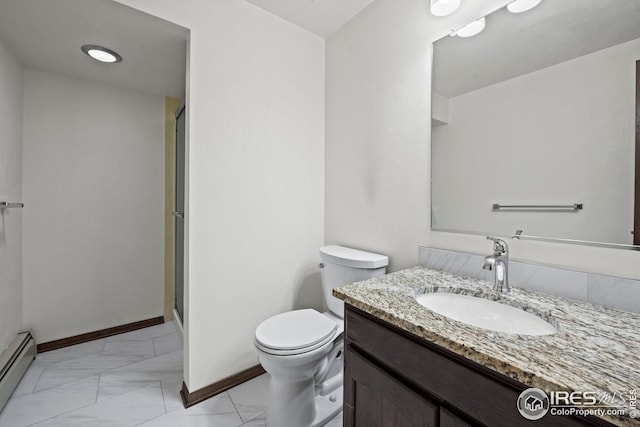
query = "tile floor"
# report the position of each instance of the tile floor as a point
(131, 379)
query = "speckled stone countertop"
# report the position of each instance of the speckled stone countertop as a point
(596, 348)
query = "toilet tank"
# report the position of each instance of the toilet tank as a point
(342, 265)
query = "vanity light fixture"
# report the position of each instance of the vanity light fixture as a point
(101, 54)
(444, 7)
(470, 29)
(519, 6)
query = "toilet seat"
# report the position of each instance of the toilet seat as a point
(295, 332)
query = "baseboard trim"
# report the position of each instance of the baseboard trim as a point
(102, 333)
(192, 398)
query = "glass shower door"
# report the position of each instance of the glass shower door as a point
(179, 212)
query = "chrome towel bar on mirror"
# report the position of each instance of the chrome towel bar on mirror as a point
(6, 205)
(573, 207)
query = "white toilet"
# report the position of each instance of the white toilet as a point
(302, 349)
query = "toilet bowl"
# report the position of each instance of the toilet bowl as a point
(302, 350)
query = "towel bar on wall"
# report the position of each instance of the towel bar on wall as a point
(573, 207)
(6, 205)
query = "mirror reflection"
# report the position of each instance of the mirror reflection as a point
(537, 112)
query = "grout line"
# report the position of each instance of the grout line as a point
(150, 419)
(236, 408)
(33, 389)
(98, 387)
(164, 401)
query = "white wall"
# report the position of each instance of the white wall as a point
(256, 179)
(560, 135)
(10, 191)
(378, 142)
(93, 217)
(378, 124)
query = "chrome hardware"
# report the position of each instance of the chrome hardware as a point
(178, 214)
(572, 207)
(500, 262)
(6, 205)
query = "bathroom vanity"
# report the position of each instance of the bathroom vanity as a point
(408, 366)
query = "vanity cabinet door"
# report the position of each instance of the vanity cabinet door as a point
(375, 399)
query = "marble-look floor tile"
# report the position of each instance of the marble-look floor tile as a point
(250, 398)
(171, 392)
(143, 349)
(32, 408)
(166, 344)
(336, 421)
(220, 404)
(183, 419)
(29, 380)
(82, 367)
(127, 380)
(135, 375)
(256, 422)
(260, 421)
(129, 409)
(216, 411)
(50, 378)
(68, 353)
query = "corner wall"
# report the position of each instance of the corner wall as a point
(378, 142)
(93, 218)
(10, 191)
(255, 177)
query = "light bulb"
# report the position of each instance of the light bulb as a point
(444, 7)
(519, 6)
(472, 28)
(101, 54)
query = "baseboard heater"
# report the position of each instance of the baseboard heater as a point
(14, 362)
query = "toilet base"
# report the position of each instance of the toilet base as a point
(297, 405)
(327, 407)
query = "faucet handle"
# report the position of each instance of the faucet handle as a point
(499, 246)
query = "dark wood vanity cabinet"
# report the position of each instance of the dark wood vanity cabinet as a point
(382, 400)
(394, 379)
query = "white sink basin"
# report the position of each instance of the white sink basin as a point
(486, 314)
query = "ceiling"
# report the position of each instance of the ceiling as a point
(48, 34)
(515, 44)
(322, 17)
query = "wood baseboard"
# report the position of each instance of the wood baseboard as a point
(191, 398)
(103, 333)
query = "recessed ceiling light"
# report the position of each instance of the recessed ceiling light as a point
(471, 29)
(519, 6)
(101, 54)
(444, 7)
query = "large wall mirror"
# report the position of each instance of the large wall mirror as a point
(534, 122)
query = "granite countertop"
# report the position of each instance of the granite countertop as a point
(596, 348)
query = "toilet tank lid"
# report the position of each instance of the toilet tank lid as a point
(350, 257)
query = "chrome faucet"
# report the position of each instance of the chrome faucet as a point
(500, 262)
